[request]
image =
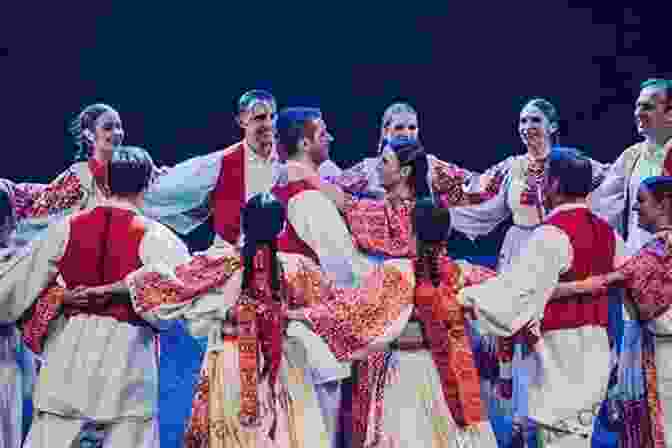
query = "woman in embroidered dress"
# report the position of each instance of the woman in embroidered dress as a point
(215, 297)
(642, 400)
(97, 130)
(516, 183)
(204, 290)
(17, 366)
(386, 411)
(448, 181)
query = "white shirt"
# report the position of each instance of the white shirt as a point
(570, 367)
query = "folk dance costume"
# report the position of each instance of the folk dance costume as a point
(204, 292)
(515, 189)
(450, 184)
(17, 364)
(615, 198)
(219, 184)
(567, 360)
(101, 360)
(315, 232)
(642, 398)
(444, 408)
(80, 187)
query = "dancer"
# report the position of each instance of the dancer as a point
(384, 228)
(566, 385)
(516, 182)
(17, 365)
(101, 358)
(614, 198)
(97, 131)
(642, 399)
(450, 184)
(221, 182)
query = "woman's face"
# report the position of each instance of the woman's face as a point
(534, 127)
(108, 131)
(402, 124)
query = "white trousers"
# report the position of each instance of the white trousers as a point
(55, 431)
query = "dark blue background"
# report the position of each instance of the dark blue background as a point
(174, 72)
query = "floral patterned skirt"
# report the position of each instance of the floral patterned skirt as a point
(214, 422)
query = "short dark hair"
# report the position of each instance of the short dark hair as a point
(573, 170)
(263, 218)
(431, 223)
(248, 99)
(292, 128)
(659, 186)
(129, 171)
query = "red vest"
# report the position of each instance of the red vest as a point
(103, 248)
(228, 197)
(289, 241)
(593, 244)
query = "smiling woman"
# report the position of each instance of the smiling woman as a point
(97, 130)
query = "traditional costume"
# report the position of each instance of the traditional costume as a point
(444, 408)
(515, 189)
(17, 364)
(450, 184)
(219, 183)
(565, 385)
(100, 361)
(314, 232)
(641, 398)
(82, 186)
(614, 199)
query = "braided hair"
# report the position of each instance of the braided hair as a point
(432, 227)
(262, 220)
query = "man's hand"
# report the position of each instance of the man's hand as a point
(82, 296)
(594, 284)
(158, 172)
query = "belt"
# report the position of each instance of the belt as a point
(69, 313)
(409, 344)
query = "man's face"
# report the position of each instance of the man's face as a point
(647, 208)
(650, 115)
(258, 122)
(318, 141)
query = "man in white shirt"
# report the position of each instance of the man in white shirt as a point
(568, 366)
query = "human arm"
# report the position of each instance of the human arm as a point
(506, 303)
(28, 274)
(178, 197)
